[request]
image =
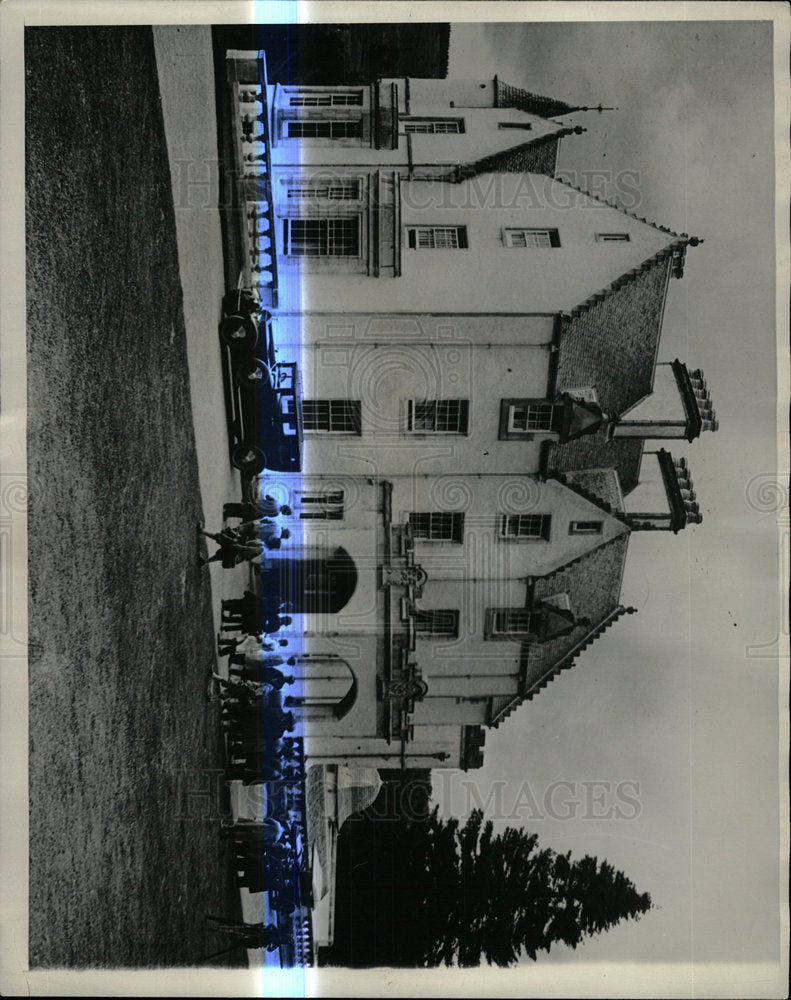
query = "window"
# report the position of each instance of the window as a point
(437, 624)
(305, 100)
(522, 418)
(508, 623)
(349, 128)
(525, 525)
(324, 505)
(612, 237)
(585, 527)
(321, 237)
(438, 416)
(437, 526)
(437, 237)
(433, 126)
(532, 238)
(336, 416)
(531, 417)
(522, 125)
(340, 190)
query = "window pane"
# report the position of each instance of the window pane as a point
(532, 417)
(437, 623)
(510, 621)
(440, 415)
(438, 526)
(525, 525)
(437, 237)
(340, 416)
(532, 238)
(322, 237)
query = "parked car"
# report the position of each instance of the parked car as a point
(266, 401)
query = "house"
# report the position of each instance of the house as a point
(486, 418)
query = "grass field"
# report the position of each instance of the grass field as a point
(125, 857)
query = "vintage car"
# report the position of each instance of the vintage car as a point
(265, 397)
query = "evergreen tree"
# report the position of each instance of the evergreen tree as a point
(473, 895)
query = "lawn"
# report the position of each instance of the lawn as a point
(125, 751)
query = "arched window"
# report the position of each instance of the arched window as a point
(318, 581)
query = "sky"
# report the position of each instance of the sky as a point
(680, 700)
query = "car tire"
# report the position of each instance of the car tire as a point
(248, 458)
(239, 333)
(252, 373)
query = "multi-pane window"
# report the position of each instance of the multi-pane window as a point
(531, 417)
(307, 128)
(585, 527)
(612, 237)
(321, 237)
(433, 126)
(532, 238)
(525, 525)
(508, 623)
(337, 416)
(323, 505)
(437, 526)
(437, 624)
(304, 100)
(325, 190)
(440, 416)
(437, 237)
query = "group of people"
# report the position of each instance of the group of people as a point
(257, 534)
(262, 746)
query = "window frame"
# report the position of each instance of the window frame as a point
(579, 527)
(413, 231)
(543, 522)
(512, 232)
(289, 222)
(450, 531)
(431, 120)
(463, 420)
(613, 238)
(490, 630)
(324, 98)
(423, 616)
(341, 123)
(353, 405)
(320, 504)
(507, 430)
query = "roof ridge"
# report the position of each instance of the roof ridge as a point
(626, 279)
(613, 203)
(461, 172)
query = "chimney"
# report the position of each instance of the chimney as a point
(679, 406)
(664, 499)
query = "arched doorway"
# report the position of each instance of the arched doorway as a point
(318, 580)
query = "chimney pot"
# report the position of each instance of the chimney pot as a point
(694, 517)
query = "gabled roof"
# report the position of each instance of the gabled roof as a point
(593, 584)
(611, 344)
(536, 156)
(600, 486)
(506, 96)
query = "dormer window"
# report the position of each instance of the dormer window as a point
(521, 418)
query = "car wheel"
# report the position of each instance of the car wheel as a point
(252, 373)
(239, 333)
(248, 458)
